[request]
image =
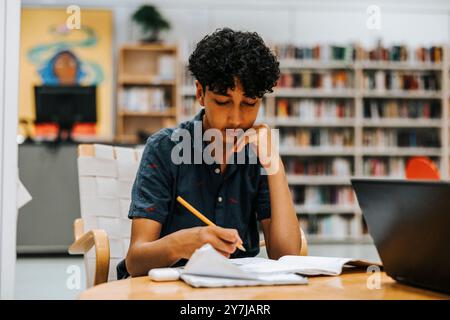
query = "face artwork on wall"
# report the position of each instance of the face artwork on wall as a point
(54, 54)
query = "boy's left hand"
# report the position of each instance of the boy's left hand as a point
(260, 139)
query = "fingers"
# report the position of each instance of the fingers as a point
(225, 254)
(229, 235)
(225, 240)
(251, 136)
(244, 140)
(223, 246)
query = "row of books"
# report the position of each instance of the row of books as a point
(310, 109)
(325, 80)
(323, 195)
(352, 52)
(324, 137)
(335, 226)
(393, 167)
(338, 166)
(317, 52)
(141, 99)
(402, 53)
(335, 167)
(426, 109)
(432, 54)
(401, 138)
(393, 53)
(378, 167)
(382, 80)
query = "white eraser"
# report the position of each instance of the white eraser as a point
(164, 274)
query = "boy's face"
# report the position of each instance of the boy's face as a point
(231, 111)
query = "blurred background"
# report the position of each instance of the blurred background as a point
(364, 89)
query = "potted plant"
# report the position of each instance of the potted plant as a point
(151, 21)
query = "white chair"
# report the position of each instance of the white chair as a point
(106, 175)
(102, 234)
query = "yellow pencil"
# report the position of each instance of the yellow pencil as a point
(201, 216)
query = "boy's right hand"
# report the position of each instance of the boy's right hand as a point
(186, 241)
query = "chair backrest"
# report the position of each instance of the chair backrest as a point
(422, 168)
(106, 175)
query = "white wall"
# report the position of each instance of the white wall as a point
(411, 22)
(9, 81)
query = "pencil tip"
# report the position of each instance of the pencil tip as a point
(241, 247)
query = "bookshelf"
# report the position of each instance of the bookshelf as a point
(378, 107)
(147, 90)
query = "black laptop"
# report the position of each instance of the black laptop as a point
(409, 222)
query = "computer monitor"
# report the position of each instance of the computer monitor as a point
(65, 105)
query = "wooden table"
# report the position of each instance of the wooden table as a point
(351, 285)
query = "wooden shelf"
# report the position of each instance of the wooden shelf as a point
(351, 65)
(317, 180)
(298, 122)
(145, 66)
(168, 113)
(403, 123)
(316, 151)
(312, 93)
(400, 151)
(144, 80)
(325, 209)
(312, 64)
(150, 47)
(403, 94)
(383, 177)
(394, 65)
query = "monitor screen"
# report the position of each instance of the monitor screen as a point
(65, 105)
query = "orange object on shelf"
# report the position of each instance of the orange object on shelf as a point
(49, 131)
(422, 168)
(45, 131)
(84, 129)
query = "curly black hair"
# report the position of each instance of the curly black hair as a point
(225, 54)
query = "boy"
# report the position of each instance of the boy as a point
(233, 71)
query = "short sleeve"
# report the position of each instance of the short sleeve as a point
(151, 195)
(263, 210)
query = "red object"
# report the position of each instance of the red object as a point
(421, 168)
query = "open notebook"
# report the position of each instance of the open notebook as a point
(304, 265)
(208, 268)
